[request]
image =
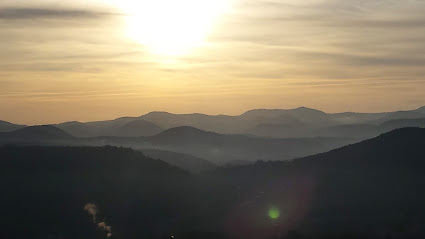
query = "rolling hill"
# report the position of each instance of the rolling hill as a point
(371, 189)
(36, 134)
(402, 123)
(7, 127)
(135, 128)
(184, 161)
(122, 127)
(217, 148)
(222, 149)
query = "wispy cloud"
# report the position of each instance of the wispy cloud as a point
(15, 13)
(260, 53)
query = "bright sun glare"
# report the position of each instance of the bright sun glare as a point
(171, 27)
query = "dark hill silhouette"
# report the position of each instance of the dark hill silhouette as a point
(279, 129)
(356, 118)
(121, 127)
(312, 116)
(111, 123)
(222, 149)
(360, 131)
(402, 123)
(301, 111)
(182, 134)
(136, 128)
(401, 115)
(388, 148)
(7, 127)
(41, 132)
(184, 161)
(363, 131)
(217, 148)
(215, 123)
(378, 183)
(48, 187)
(372, 189)
(77, 129)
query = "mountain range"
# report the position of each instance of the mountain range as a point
(217, 148)
(371, 189)
(277, 123)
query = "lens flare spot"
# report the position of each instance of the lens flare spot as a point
(274, 213)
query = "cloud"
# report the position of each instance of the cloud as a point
(255, 48)
(14, 13)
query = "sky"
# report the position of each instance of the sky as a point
(94, 60)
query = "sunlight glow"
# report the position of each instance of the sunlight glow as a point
(170, 27)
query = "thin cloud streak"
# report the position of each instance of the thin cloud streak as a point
(276, 53)
(14, 13)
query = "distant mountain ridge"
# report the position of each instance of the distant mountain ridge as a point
(220, 149)
(7, 126)
(278, 123)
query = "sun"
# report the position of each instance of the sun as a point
(171, 27)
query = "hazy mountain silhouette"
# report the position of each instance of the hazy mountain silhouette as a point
(363, 131)
(77, 129)
(421, 109)
(136, 128)
(36, 133)
(183, 135)
(278, 123)
(299, 115)
(7, 127)
(402, 123)
(281, 130)
(215, 123)
(217, 148)
(184, 161)
(347, 118)
(360, 131)
(126, 127)
(111, 123)
(299, 122)
(222, 149)
(242, 123)
(401, 115)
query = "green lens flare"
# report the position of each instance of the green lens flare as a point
(274, 213)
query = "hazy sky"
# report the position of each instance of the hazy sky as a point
(95, 59)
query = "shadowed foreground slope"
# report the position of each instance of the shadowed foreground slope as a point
(44, 191)
(373, 189)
